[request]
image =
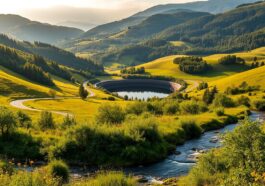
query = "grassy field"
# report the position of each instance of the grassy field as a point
(165, 66)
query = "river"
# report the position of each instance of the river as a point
(177, 165)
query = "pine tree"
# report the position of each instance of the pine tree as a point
(82, 92)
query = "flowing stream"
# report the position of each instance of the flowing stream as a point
(177, 165)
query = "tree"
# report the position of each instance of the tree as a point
(82, 92)
(68, 121)
(7, 121)
(24, 120)
(46, 121)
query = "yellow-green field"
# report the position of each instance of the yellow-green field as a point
(165, 66)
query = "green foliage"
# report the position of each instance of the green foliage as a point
(134, 142)
(46, 121)
(133, 70)
(136, 108)
(82, 92)
(24, 120)
(222, 100)
(231, 60)
(242, 88)
(59, 169)
(68, 121)
(112, 114)
(108, 179)
(38, 177)
(241, 157)
(244, 100)
(8, 122)
(192, 107)
(192, 65)
(209, 95)
(171, 108)
(259, 105)
(202, 85)
(191, 129)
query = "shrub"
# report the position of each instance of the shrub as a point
(230, 60)
(220, 111)
(46, 121)
(259, 105)
(202, 86)
(59, 169)
(171, 108)
(222, 100)
(136, 108)
(112, 114)
(155, 107)
(82, 92)
(192, 130)
(24, 120)
(68, 121)
(243, 100)
(110, 98)
(192, 107)
(7, 121)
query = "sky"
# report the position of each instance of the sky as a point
(90, 12)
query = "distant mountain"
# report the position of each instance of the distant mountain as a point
(211, 6)
(159, 22)
(240, 29)
(53, 53)
(25, 29)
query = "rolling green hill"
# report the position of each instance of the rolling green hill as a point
(25, 29)
(166, 67)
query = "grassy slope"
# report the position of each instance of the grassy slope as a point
(253, 77)
(165, 66)
(14, 86)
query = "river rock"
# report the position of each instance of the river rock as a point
(142, 179)
(177, 153)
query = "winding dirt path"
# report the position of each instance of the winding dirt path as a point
(19, 104)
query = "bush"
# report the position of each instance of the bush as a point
(59, 169)
(24, 120)
(171, 108)
(243, 100)
(7, 121)
(230, 60)
(192, 107)
(259, 105)
(68, 121)
(112, 114)
(46, 121)
(220, 111)
(136, 108)
(192, 130)
(110, 98)
(222, 100)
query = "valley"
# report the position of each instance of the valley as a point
(173, 95)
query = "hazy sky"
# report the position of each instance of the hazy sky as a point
(85, 11)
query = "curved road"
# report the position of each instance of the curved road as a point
(20, 103)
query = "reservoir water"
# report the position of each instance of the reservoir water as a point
(142, 94)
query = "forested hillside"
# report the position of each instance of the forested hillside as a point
(53, 53)
(33, 67)
(212, 6)
(25, 29)
(240, 29)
